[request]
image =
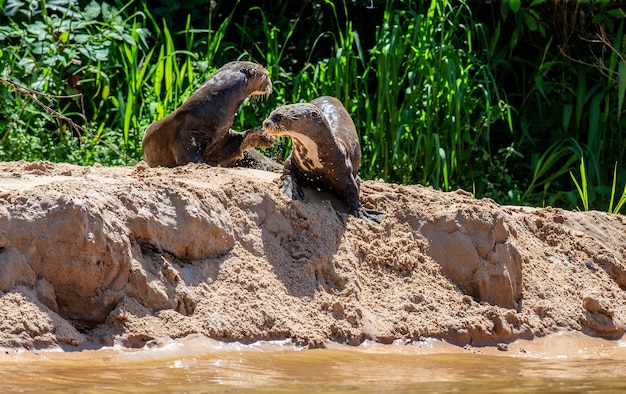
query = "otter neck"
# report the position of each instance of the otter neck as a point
(306, 152)
(231, 95)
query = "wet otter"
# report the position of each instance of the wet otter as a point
(199, 130)
(326, 151)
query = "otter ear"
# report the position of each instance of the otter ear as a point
(247, 71)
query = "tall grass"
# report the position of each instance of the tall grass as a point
(160, 79)
(422, 101)
(622, 199)
(436, 102)
(425, 95)
(572, 53)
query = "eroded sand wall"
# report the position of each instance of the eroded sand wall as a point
(94, 255)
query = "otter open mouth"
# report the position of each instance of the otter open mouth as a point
(259, 94)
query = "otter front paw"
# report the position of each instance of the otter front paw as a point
(370, 215)
(258, 138)
(289, 186)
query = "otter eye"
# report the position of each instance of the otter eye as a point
(277, 118)
(246, 71)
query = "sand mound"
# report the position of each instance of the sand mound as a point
(92, 256)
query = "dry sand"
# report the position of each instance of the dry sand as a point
(96, 256)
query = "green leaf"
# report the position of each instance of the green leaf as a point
(43, 49)
(504, 9)
(6, 32)
(91, 11)
(594, 138)
(542, 30)
(129, 39)
(64, 37)
(617, 13)
(159, 73)
(115, 36)
(581, 89)
(82, 38)
(39, 30)
(108, 12)
(143, 68)
(143, 34)
(128, 113)
(568, 109)
(530, 21)
(101, 54)
(515, 5)
(540, 86)
(598, 18)
(58, 59)
(27, 64)
(621, 88)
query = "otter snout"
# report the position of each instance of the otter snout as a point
(272, 124)
(274, 120)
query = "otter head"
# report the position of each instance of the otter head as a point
(254, 77)
(296, 120)
(307, 126)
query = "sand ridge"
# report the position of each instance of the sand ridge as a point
(95, 256)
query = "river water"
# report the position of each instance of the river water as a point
(560, 364)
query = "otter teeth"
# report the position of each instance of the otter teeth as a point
(261, 93)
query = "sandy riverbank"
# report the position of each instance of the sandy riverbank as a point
(96, 256)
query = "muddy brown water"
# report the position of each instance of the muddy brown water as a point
(560, 364)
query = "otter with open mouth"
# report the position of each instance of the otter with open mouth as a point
(326, 152)
(199, 130)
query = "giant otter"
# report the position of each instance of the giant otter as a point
(326, 151)
(199, 130)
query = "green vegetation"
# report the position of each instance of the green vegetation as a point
(521, 102)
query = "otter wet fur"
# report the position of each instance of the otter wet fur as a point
(199, 130)
(326, 152)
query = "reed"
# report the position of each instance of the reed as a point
(622, 199)
(582, 187)
(421, 100)
(426, 96)
(434, 99)
(158, 79)
(556, 161)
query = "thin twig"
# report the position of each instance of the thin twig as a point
(32, 94)
(601, 67)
